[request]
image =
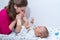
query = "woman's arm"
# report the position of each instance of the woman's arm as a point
(11, 26)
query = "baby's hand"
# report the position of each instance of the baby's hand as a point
(28, 26)
(32, 20)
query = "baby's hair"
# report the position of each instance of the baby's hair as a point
(45, 33)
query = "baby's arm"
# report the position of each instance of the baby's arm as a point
(32, 21)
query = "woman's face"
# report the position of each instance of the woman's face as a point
(20, 9)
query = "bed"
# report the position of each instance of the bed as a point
(54, 34)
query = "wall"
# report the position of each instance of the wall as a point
(45, 12)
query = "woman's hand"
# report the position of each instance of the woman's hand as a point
(19, 16)
(12, 25)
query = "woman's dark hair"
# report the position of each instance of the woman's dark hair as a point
(10, 8)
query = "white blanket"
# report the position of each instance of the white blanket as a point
(54, 34)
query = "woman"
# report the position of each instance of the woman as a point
(11, 16)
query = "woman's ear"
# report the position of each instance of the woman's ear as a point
(15, 6)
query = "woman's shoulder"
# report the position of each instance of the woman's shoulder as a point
(3, 12)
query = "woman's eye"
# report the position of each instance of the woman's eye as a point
(23, 11)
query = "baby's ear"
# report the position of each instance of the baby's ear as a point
(42, 35)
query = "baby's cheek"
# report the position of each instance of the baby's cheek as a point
(39, 34)
(36, 34)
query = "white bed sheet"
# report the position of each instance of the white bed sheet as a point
(54, 34)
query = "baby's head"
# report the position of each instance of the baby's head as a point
(41, 31)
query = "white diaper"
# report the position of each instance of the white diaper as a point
(23, 31)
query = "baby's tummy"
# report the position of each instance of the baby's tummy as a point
(23, 31)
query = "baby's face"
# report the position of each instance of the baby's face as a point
(39, 31)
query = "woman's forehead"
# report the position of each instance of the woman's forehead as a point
(23, 7)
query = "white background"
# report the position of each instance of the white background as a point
(45, 12)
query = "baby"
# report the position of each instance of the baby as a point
(28, 31)
(39, 31)
(25, 27)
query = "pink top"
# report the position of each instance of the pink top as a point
(4, 22)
